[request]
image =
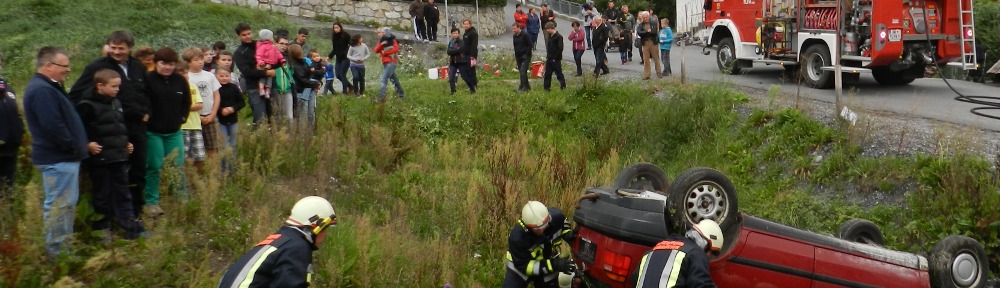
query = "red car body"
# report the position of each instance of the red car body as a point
(758, 253)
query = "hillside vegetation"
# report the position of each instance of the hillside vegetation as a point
(427, 188)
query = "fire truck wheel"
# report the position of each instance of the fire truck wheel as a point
(958, 261)
(811, 64)
(703, 193)
(888, 77)
(725, 56)
(861, 231)
(643, 176)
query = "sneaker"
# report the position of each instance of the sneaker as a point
(153, 210)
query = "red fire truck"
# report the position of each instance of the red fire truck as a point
(896, 41)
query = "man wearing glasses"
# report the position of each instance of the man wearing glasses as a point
(58, 144)
(533, 247)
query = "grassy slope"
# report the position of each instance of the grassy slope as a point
(422, 186)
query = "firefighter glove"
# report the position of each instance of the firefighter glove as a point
(562, 265)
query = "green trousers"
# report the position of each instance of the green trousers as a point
(163, 146)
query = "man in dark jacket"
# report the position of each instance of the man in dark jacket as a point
(58, 145)
(134, 102)
(553, 57)
(284, 259)
(532, 253)
(471, 41)
(433, 16)
(600, 43)
(547, 16)
(11, 135)
(522, 54)
(245, 58)
(417, 12)
(612, 14)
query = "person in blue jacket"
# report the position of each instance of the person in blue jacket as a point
(59, 144)
(11, 134)
(534, 27)
(666, 39)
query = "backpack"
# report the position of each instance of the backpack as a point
(283, 80)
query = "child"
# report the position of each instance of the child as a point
(109, 148)
(224, 60)
(194, 143)
(230, 103)
(316, 69)
(458, 62)
(357, 54)
(208, 87)
(268, 57)
(329, 77)
(145, 55)
(209, 59)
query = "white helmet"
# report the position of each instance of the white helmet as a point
(535, 215)
(711, 232)
(313, 211)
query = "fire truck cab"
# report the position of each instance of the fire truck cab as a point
(896, 41)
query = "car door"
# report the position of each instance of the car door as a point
(768, 260)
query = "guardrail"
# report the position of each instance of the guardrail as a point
(567, 8)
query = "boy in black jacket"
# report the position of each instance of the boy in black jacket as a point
(230, 103)
(101, 114)
(458, 63)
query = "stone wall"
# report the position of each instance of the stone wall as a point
(390, 13)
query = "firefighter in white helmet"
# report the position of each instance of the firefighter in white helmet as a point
(681, 261)
(532, 255)
(284, 259)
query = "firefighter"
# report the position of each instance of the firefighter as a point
(681, 261)
(532, 255)
(284, 259)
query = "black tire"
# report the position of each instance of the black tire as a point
(888, 77)
(725, 57)
(643, 176)
(702, 193)
(958, 261)
(811, 63)
(861, 231)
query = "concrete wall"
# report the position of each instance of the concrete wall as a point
(489, 23)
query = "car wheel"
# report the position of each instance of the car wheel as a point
(811, 64)
(958, 261)
(702, 193)
(725, 57)
(861, 231)
(643, 176)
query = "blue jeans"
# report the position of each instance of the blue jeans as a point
(307, 107)
(62, 190)
(259, 106)
(358, 76)
(229, 133)
(587, 29)
(390, 74)
(340, 70)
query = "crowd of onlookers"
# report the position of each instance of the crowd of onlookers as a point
(136, 110)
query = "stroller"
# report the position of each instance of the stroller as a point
(614, 32)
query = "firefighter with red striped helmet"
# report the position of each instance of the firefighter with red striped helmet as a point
(284, 259)
(681, 261)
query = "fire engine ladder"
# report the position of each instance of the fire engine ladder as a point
(968, 43)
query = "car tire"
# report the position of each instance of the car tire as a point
(810, 67)
(725, 57)
(958, 261)
(861, 231)
(643, 176)
(702, 193)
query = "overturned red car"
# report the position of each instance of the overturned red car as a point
(617, 225)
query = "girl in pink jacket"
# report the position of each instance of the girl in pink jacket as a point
(268, 58)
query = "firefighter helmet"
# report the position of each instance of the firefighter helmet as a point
(313, 211)
(711, 232)
(535, 215)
